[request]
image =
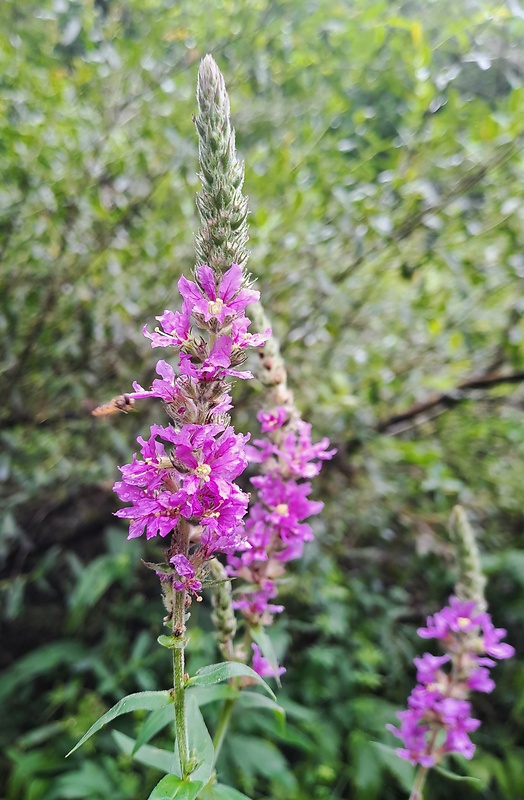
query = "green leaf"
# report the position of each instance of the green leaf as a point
(210, 694)
(219, 791)
(257, 700)
(139, 701)
(200, 742)
(89, 780)
(163, 760)
(41, 661)
(452, 776)
(403, 770)
(171, 642)
(154, 723)
(166, 641)
(173, 788)
(162, 568)
(216, 673)
(95, 579)
(256, 756)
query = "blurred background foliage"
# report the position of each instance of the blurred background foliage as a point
(384, 164)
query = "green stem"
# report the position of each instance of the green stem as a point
(422, 772)
(179, 683)
(420, 779)
(223, 723)
(180, 641)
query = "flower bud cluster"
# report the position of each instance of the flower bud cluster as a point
(187, 470)
(438, 720)
(275, 527)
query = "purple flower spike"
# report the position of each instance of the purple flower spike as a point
(187, 471)
(275, 527)
(439, 701)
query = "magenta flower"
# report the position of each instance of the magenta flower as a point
(241, 337)
(287, 504)
(174, 333)
(428, 667)
(263, 667)
(186, 575)
(223, 303)
(459, 616)
(259, 533)
(414, 736)
(301, 456)
(216, 365)
(222, 522)
(209, 457)
(165, 389)
(491, 640)
(256, 603)
(479, 680)
(271, 420)
(157, 515)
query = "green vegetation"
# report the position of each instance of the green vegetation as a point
(384, 166)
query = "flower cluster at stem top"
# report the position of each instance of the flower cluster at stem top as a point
(438, 720)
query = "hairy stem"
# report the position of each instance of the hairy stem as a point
(418, 785)
(179, 645)
(179, 683)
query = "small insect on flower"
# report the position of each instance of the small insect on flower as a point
(123, 403)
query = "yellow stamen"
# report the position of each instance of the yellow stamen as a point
(163, 463)
(215, 307)
(282, 509)
(203, 471)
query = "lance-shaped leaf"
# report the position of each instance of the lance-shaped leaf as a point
(216, 673)
(257, 700)
(140, 701)
(156, 757)
(219, 791)
(173, 788)
(200, 742)
(154, 723)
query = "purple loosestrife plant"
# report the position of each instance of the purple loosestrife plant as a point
(181, 485)
(438, 720)
(180, 488)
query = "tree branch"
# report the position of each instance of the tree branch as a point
(447, 399)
